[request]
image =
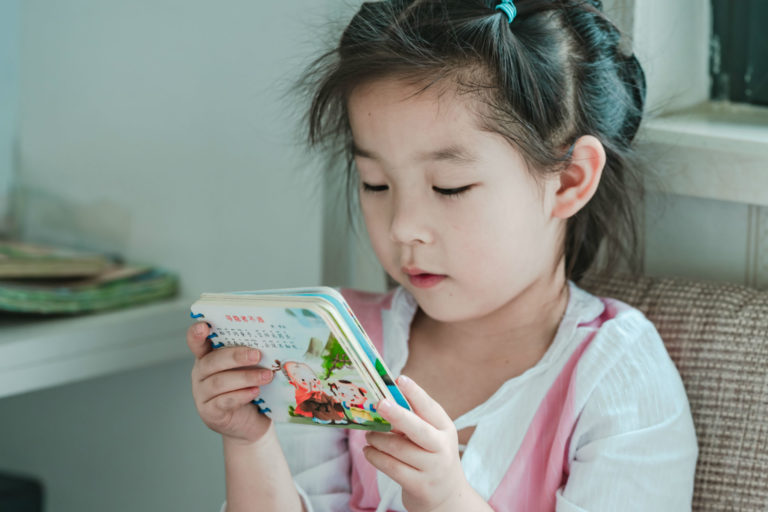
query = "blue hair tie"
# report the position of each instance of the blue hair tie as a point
(509, 9)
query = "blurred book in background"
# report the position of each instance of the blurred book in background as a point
(49, 280)
(18, 260)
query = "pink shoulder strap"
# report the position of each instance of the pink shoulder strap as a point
(367, 307)
(365, 491)
(541, 465)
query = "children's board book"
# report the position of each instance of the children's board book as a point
(326, 370)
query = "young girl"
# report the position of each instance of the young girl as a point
(490, 145)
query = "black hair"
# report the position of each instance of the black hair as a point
(555, 73)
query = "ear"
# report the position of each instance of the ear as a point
(578, 182)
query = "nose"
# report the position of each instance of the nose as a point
(411, 221)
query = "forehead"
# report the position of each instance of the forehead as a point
(405, 114)
(400, 124)
(437, 101)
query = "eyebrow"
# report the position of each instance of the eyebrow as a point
(452, 153)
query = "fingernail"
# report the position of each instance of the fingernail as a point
(404, 380)
(253, 354)
(385, 405)
(200, 329)
(266, 376)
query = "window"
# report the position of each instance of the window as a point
(739, 51)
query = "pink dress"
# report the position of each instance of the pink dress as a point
(600, 423)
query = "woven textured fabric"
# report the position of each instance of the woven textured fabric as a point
(717, 335)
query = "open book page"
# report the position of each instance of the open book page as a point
(317, 381)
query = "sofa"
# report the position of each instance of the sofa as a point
(717, 335)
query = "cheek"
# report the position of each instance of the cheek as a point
(374, 214)
(515, 210)
(377, 226)
(502, 231)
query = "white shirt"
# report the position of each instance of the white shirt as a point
(632, 443)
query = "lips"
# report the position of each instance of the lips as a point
(422, 279)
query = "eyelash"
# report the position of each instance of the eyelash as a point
(452, 192)
(374, 188)
(448, 192)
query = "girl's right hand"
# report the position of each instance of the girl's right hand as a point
(224, 382)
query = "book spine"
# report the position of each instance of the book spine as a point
(366, 344)
(210, 336)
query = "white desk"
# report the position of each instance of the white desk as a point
(36, 353)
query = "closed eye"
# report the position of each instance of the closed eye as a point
(451, 191)
(367, 187)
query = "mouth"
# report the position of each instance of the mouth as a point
(422, 279)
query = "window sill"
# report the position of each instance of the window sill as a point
(40, 353)
(714, 150)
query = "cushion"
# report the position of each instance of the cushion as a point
(717, 335)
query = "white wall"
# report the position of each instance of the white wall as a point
(671, 40)
(158, 129)
(9, 99)
(706, 239)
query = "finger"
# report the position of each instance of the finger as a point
(228, 358)
(399, 447)
(197, 341)
(235, 399)
(218, 413)
(424, 405)
(225, 382)
(395, 469)
(414, 428)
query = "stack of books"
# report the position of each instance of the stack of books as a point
(49, 280)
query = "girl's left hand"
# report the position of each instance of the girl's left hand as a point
(421, 453)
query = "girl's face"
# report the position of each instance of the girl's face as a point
(452, 212)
